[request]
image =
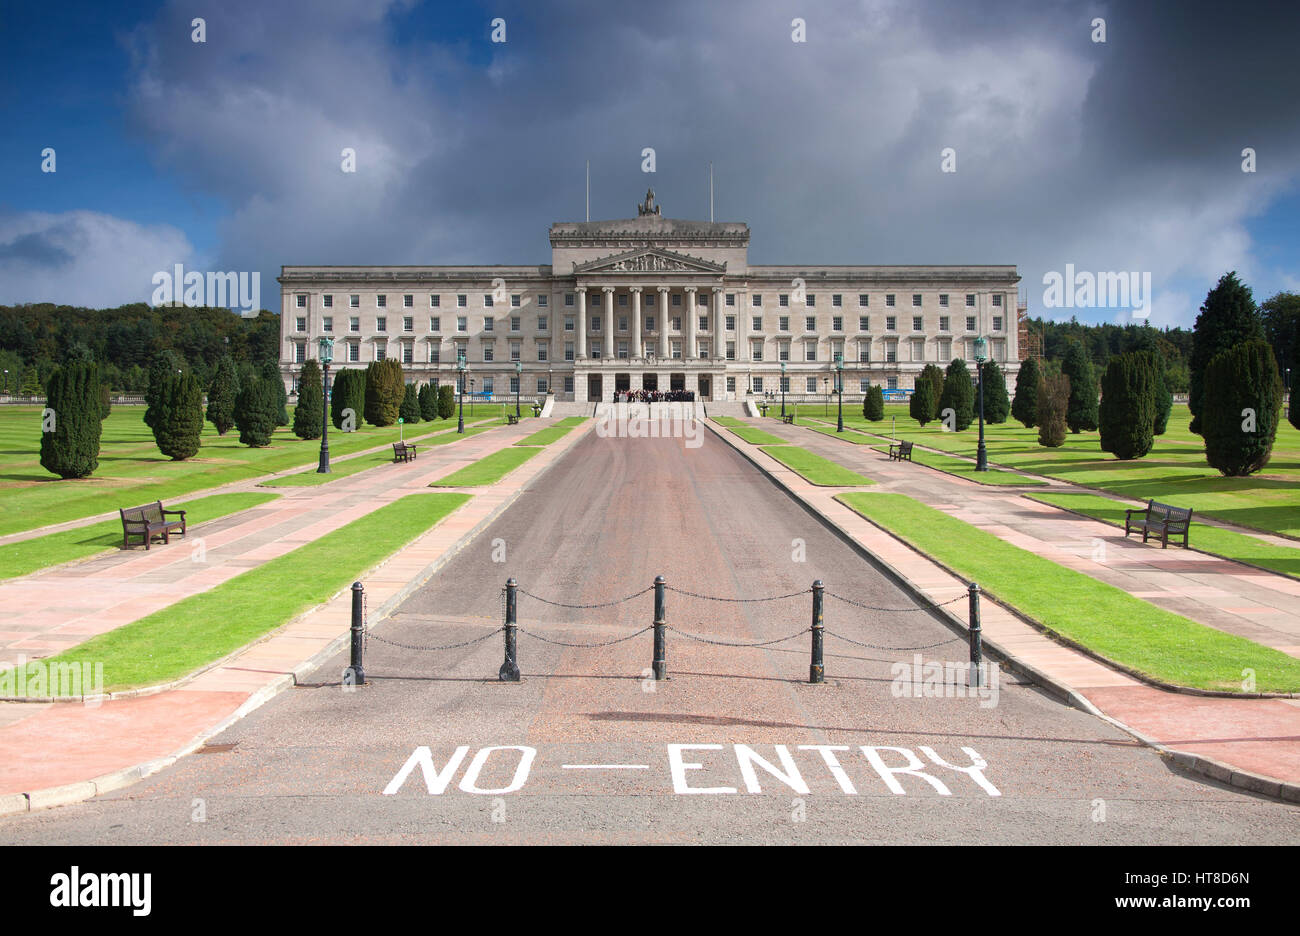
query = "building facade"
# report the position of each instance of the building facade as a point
(651, 303)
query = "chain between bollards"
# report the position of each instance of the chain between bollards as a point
(509, 671)
(659, 664)
(976, 639)
(355, 675)
(817, 671)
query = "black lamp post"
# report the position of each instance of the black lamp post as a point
(519, 369)
(326, 355)
(783, 380)
(839, 389)
(460, 369)
(981, 355)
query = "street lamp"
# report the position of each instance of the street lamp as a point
(326, 355)
(460, 368)
(981, 355)
(839, 381)
(783, 379)
(519, 369)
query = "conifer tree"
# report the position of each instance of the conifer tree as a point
(222, 394)
(1228, 317)
(934, 374)
(384, 389)
(1241, 404)
(873, 405)
(996, 404)
(310, 411)
(70, 449)
(1053, 401)
(1127, 412)
(1025, 406)
(178, 418)
(1081, 414)
(410, 408)
(428, 400)
(921, 405)
(446, 401)
(958, 395)
(256, 411)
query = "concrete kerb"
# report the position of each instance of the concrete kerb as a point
(1196, 763)
(83, 790)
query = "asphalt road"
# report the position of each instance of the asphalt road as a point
(735, 747)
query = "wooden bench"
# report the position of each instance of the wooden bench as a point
(512, 419)
(788, 419)
(149, 521)
(1159, 519)
(900, 451)
(403, 452)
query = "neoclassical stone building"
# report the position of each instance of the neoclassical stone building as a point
(651, 302)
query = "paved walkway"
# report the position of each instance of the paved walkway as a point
(51, 754)
(1248, 742)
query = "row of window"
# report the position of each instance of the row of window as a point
(594, 299)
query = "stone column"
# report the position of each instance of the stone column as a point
(582, 325)
(636, 322)
(719, 333)
(608, 341)
(691, 321)
(663, 324)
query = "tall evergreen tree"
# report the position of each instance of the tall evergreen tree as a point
(428, 399)
(1081, 414)
(271, 374)
(310, 411)
(70, 449)
(222, 394)
(446, 401)
(921, 405)
(410, 408)
(1025, 406)
(1053, 402)
(873, 405)
(1228, 317)
(178, 418)
(1127, 413)
(934, 374)
(384, 389)
(162, 365)
(958, 394)
(256, 411)
(347, 393)
(996, 404)
(1242, 401)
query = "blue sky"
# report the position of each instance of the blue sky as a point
(225, 155)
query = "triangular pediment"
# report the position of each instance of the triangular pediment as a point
(650, 260)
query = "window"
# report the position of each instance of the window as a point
(677, 350)
(864, 323)
(381, 301)
(756, 351)
(462, 323)
(514, 384)
(810, 300)
(916, 323)
(783, 351)
(943, 300)
(568, 350)
(542, 299)
(381, 324)
(864, 384)
(677, 323)
(758, 384)
(863, 300)
(595, 301)
(301, 300)
(997, 323)
(622, 301)
(944, 348)
(543, 351)
(622, 350)
(891, 323)
(595, 323)
(783, 384)
(381, 352)
(731, 299)
(462, 300)
(783, 323)
(758, 323)
(836, 301)
(408, 323)
(408, 354)
(704, 323)
(703, 350)
(543, 385)
(515, 352)
(435, 302)
(515, 300)
(354, 351)
(837, 323)
(864, 352)
(568, 300)
(731, 350)
(622, 323)
(783, 300)
(568, 323)
(970, 323)
(810, 384)
(489, 353)
(488, 386)
(568, 384)
(916, 299)
(918, 349)
(944, 323)
(299, 352)
(435, 354)
(730, 323)
(300, 323)
(891, 383)
(997, 300)
(810, 323)
(542, 323)
(891, 352)
(327, 301)
(354, 324)
(595, 349)
(488, 323)
(649, 323)
(649, 300)
(757, 300)
(514, 323)
(408, 302)
(701, 300)
(810, 351)
(731, 384)
(435, 323)
(889, 299)
(677, 299)
(327, 324)
(354, 301)
(970, 300)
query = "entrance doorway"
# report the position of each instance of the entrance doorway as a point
(676, 381)
(593, 388)
(622, 381)
(650, 381)
(706, 387)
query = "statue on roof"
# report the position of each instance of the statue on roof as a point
(648, 207)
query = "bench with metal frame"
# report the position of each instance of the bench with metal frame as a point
(148, 521)
(512, 419)
(788, 419)
(403, 452)
(900, 451)
(1156, 519)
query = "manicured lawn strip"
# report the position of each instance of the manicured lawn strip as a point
(132, 471)
(1205, 538)
(546, 436)
(1105, 619)
(751, 434)
(28, 556)
(489, 469)
(203, 628)
(572, 421)
(814, 468)
(848, 435)
(965, 469)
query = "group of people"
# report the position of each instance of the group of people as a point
(654, 396)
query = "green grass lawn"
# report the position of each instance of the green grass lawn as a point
(489, 469)
(848, 435)
(203, 628)
(27, 556)
(551, 433)
(750, 434)
(132, 471)
(965, 469)
(1211, 539)
(818, 470)
(1174, 472)
(1103, 618)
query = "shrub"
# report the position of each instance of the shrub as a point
(1053, 401)
(271, 374)
(71, 448)
(1242, 399)
(310, 411)
(1081, 413)
(410, 408)
(1227, 318)
(178, 420)
(384, 389)
(873, 405)
(958, 394)
(446, 401)
(164, 364)
(222, 394)
(996, 404)
(348, 393)
(256, 409)
(1127, 413)
(428, 400)
(921, 406)
(1025, 407)
(934, 374)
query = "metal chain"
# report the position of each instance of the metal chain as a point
(867, 607)
(453, 646)
(729, 643)
(737, 600)
(871, 646)
(587, 646)
(585, 607)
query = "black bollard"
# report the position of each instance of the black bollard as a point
(817, 671)
(509, 671)
(976, 644)
(660, 663)
(356, 674)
